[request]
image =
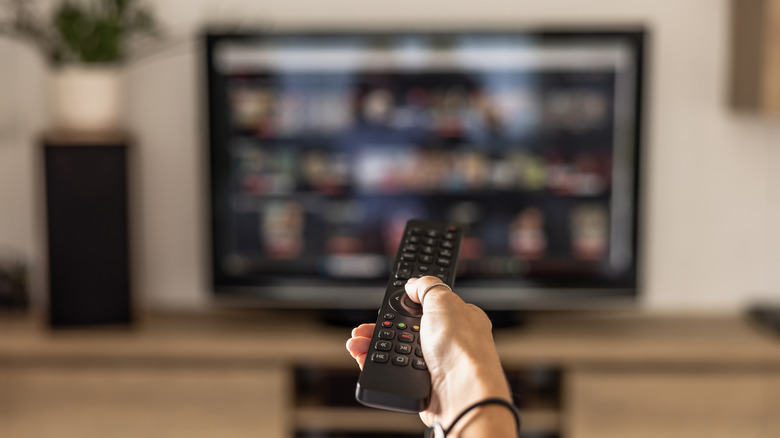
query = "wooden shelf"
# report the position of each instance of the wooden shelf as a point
(368, 420)
(239, 374)
(293, 338)
(356, 419)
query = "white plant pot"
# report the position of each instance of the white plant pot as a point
(86, 98)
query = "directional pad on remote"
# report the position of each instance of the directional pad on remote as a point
(401, 303)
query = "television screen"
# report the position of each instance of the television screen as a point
(323, 144)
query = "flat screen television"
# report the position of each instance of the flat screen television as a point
(322, 144)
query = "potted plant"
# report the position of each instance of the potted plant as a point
(85, 42)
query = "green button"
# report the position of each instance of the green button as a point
(401, 325)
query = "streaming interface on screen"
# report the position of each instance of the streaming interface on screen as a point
(332, 142)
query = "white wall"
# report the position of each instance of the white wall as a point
(712, 176)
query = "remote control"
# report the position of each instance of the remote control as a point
(395, 376)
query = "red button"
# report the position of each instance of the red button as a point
(387, 324)
(406, 337)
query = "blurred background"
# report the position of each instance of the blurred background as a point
(710, 240)
(710, 247)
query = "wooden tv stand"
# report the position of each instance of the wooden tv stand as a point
(280, 375)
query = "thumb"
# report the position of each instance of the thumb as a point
(417, 288)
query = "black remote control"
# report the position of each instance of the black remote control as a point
(395, 376)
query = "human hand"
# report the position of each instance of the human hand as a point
(457, 342)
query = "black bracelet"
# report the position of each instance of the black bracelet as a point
(440, 432)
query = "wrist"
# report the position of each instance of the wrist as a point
(468, 383)
(487, 421)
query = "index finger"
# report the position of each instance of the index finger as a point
(363, 331)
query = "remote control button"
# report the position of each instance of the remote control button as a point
(415, 231)
(423, 268)
(449, 236)
(380, 357)
(403, 274)
(432, 233)
(387, 324)
(386, 334)
(408, 303)
(452, 228)
(398, 283)
(411, 248)
(445, 253)
(430, 241)
(418, 352)
(385, 346)
(408, 257)
(415, 328)
(413, 239)
(401, 361)
(442, 276)
(419, 364)
(403, 348)
(426, 259)
(428, 250)
(401, 326)
(389, 315)
(398, 304)
(406, 337)
(447, 244)
(443, 262)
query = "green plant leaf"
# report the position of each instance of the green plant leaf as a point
(83, 31)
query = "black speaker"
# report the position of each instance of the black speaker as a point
(87, 227)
